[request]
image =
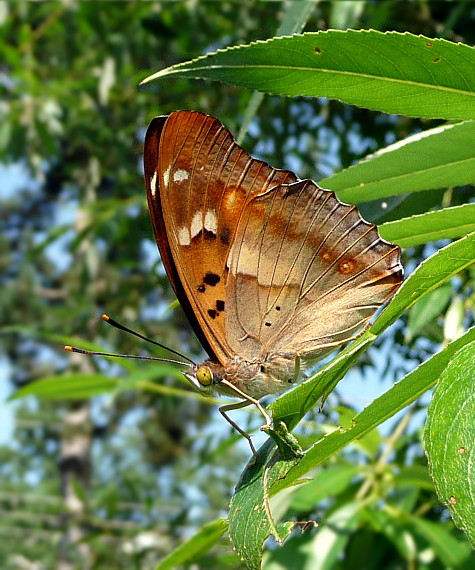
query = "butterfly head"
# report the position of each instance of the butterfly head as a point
(203, 378)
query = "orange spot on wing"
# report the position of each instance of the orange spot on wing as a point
(346, 266)
(326, 255)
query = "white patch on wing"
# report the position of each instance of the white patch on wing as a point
(196, 224)
(153, 184)
(211, 223)
(184, 237)
(166, 176)
(180, 175)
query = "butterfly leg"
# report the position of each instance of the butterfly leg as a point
(297, 369)
(224, 409)
(250, 400)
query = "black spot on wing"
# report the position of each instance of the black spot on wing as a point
(225, 236)
(219, 306)
(204, 233)
(211, 279)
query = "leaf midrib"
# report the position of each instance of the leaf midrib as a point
(410, 174)
(313, 70)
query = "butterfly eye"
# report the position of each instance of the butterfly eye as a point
(204, 376)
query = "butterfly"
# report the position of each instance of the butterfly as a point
(269, 269)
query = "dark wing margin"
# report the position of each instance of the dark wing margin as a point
(198, 183)
(151, 176)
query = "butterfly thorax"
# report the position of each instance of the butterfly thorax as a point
(269, 374)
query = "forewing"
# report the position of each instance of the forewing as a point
(306, 273)
(198, 181)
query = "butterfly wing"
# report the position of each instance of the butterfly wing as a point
(198, 181)
(311, 270)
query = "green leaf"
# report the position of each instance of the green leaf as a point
(447, 223)
(393, 208)
(391, 524)
(344, 15)
(403, 393)
(368, 444)
(390, 72)
(436, 158)
(427, 309)
(454, 324)
(195, 547)
(452, 552)
(81, 386)
(414, 477)
(325, 484)
(449, 439)
(70, 387)
(325, 548)
(250, 517)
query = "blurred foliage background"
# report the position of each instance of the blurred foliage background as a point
(120, 480)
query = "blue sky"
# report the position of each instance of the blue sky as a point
(13, 177)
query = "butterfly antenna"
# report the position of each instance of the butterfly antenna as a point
(93, 353)
(121, 327)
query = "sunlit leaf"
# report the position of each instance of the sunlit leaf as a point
(390, 72)
(436, 158)
(447, 223)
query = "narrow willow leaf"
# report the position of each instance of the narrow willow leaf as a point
(436, 158)
(250, 520)
(403, 393)
(70, 387)
(403, 206)
(427, 309)
(449, 439)
(447, 223)
(390, 72)
(328, 483)
(196, 546)
(454, 325)
(82, 386)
